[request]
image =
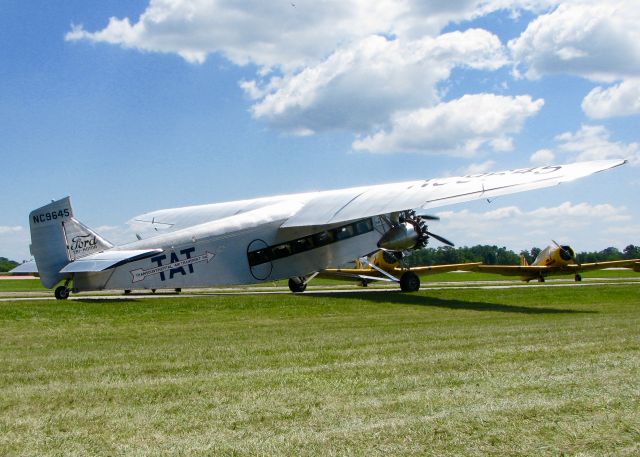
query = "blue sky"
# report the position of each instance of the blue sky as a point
(176, 103)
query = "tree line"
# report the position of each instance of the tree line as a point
(6, 264)
(487, 254)
(494, 255)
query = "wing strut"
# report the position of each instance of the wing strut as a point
(378, 269)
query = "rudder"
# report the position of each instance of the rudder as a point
(57, 239)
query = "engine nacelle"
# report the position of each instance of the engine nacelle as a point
(400, 237)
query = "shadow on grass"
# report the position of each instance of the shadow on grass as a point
(118, 300)
(422, 300)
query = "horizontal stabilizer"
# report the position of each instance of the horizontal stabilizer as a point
(107, 259)
(27, 267)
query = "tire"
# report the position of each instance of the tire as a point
(541, 279)
(409, 282)
(61, 293)
(127, 291)
(578, 277)
(296, 287)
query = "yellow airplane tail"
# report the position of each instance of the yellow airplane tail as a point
(523, 261)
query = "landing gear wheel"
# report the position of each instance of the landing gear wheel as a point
(127, 291)
(578, 277)
(178, 290)
(61, 293)
(409, 282)
(296, 286)
(541, 279)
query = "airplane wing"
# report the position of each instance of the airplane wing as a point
(535, 270)
(370, 273)
(351, 204)
(27, 267)
(336, 206)
(602, 265)
(516, 270)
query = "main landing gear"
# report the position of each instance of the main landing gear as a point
(61, 292)
(297, 285)
(409, 282)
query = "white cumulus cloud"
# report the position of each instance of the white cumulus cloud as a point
(542, 157)
(457, 127)
(620, 100)
(283, 34)
(362, 85)
(592, 142)
(350, 65)
(585, 226)
(598, 40)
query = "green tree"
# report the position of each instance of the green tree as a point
(6, 264)
(632, 252)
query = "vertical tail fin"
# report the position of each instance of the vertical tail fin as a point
(57, 239)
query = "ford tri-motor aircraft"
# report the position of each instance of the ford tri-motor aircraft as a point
(554, 260)
(264, 239)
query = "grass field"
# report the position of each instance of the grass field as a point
(543, 371)
(34, 285)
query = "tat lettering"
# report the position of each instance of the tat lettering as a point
(176, 265)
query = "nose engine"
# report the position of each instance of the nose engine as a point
(566, 253)
(403, 236)
(410, 232)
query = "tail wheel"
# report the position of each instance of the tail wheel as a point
(296, 285)
(61, 293)
(409, 282)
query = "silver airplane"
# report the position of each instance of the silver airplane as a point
(252, 241)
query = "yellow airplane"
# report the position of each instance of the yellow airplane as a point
(555, 260)
(386, 266)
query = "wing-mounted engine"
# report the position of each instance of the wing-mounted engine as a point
(409, 231)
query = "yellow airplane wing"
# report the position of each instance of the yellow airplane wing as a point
(358, 274)
(602, 265)
(535, 271)
(516, 270)
(433, 269)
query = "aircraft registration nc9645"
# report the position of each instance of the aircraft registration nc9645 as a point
(251, 241)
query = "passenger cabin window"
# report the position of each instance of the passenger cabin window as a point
(282, 250)
(343, 233)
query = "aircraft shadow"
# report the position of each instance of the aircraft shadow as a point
(423, 300)
(94, 301)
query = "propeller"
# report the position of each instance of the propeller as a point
(440, 238)
(569, 253)
(420, 218)
(427, 217)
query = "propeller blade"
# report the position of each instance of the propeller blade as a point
(565, 251)
(441, 239)
(428, 217)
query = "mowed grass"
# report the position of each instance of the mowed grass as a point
(34, 285)
(542, 371)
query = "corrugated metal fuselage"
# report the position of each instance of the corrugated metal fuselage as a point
(189, 259)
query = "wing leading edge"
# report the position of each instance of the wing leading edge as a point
(350, 204)
(336, 206)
